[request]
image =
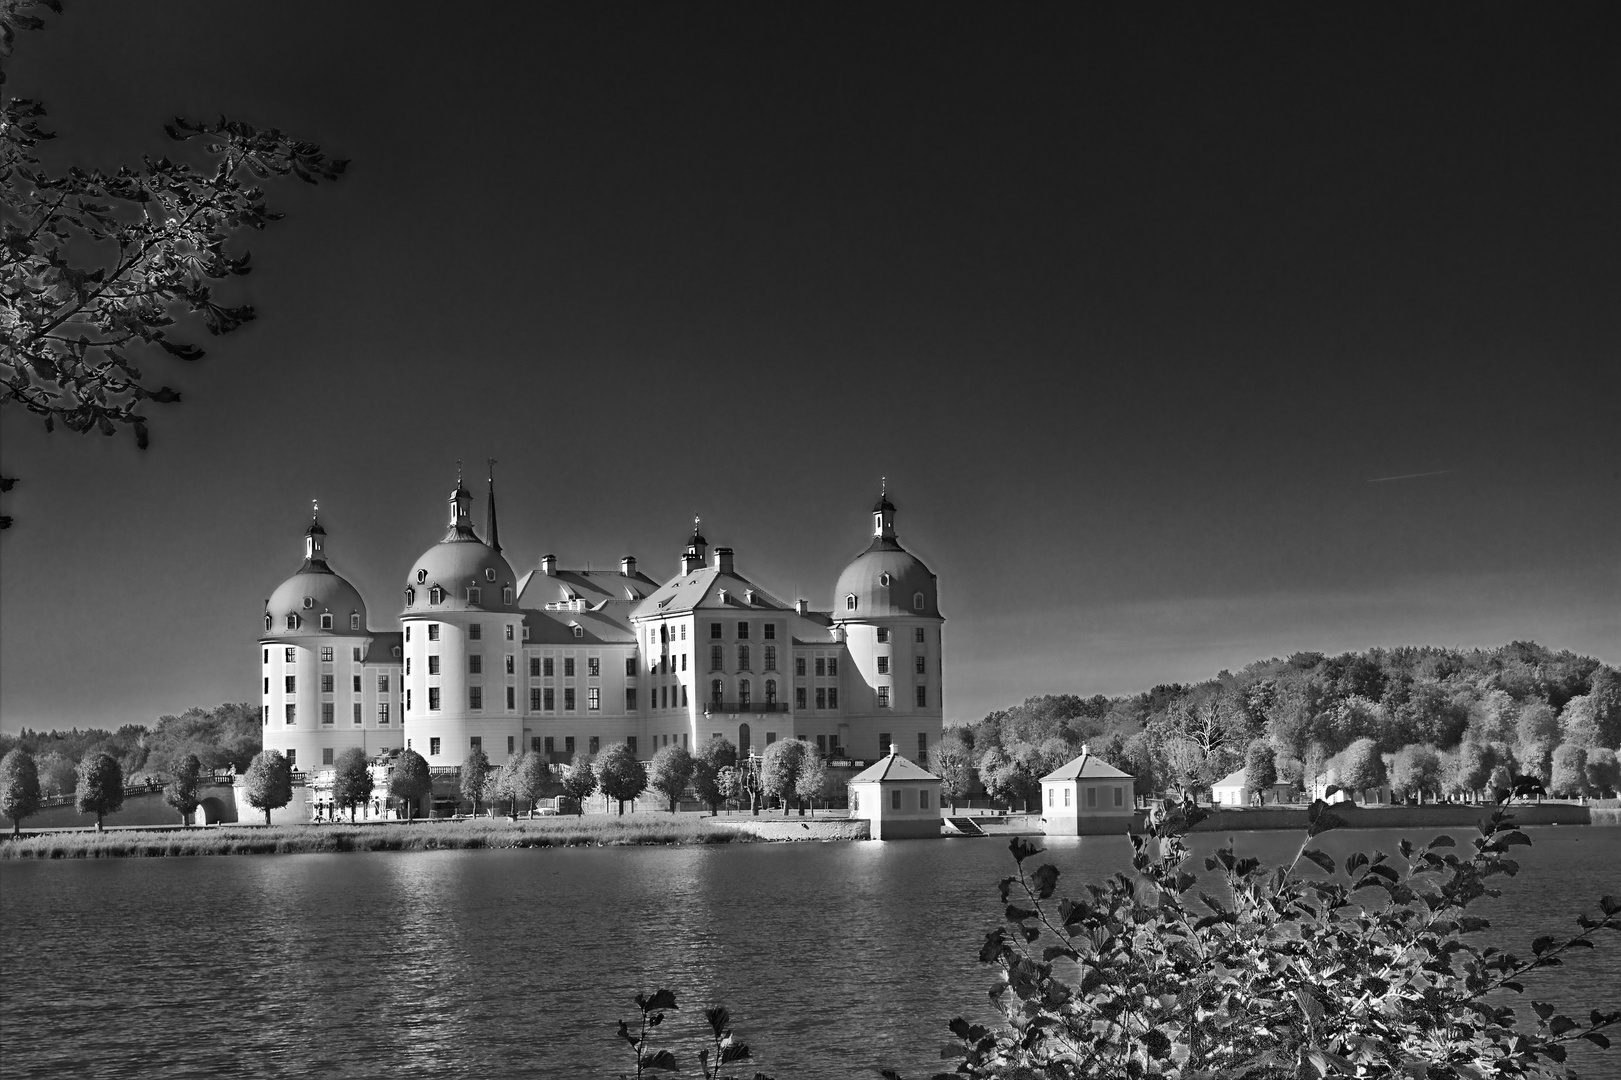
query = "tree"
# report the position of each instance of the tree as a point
(671, 769)
(181, 791)
(1260, 766)
(475, 777)
(529, 779)
(58, 774)
(953, 762)
(811, 783)
(102, 272)
(1008, 778)
(19, 787)
(580, 782)
(1471, 768)
(1568, 770)
(410, 782)
(708, 765)
(352, 781)
(779, 769)
(620, 776)
(1361, 767)
(100, 789)
(1603, 771)
(1536, 732)
(1416, 769)
(269, 782)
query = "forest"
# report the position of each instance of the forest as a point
(1422, 719)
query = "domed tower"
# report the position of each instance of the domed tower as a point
(463, 638)
(313, 649)
(887, 606)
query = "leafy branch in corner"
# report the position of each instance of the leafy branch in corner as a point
(719, 1047)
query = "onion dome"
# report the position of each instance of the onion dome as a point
(460, 572)
(886, 579)
(315, 600)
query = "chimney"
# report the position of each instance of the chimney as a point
(894, 751)
(548, 565)
(723, 560)
(801, 606)
(627, 566)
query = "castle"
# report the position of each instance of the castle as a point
(566, 662)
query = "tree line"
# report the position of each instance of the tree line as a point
(1422, 719)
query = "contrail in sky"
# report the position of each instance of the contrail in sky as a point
(1411, 476)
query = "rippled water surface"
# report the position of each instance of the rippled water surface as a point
(834, 958)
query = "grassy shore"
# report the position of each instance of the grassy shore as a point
(418, 836)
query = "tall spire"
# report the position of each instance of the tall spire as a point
(495, 536)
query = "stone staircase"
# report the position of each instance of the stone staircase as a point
(965, 826)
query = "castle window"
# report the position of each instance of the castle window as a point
(593, 666)
(407, 631)
(326, 654)
(771, 658)
(919, 632)
(292, 622)
(433, 664)
(287, 654)
(489, 573)
(509, 631)
(799, 699)
(408, 665)
(326, 713)
(630, 666)
(922, 697)
(579, 631)
(549, 696)
(382, 713)
(475, 697)
(717, 691)
(396, 652)
(355, 654)
(771, 691)
(433, 631)
(883, 665)
(357, 684)
(833, 667)
(850, 602)
(475, 632)
(309, 602)
(715, 661)
(292, 714)
(770, 631)
(883, 635)
(410, 597)
(291, 684)
(593, 699)
(506, 594)
(433, 700)
(354, 620)
(433, 747)
(821, 697)
(475, 664)
(799, 666)
(917, 605)
(510, 663)
(630, 699)
(534, 700)
(568, 667)
(382, 684)
(475, 595)
(821, 665)
(568, 699)
(436, 595)
(883, 697)
(742, 631)
(526, 633)
(422, 575)
(922, 666)
(267, 622)
(326, 684)
(534, 667)
(832, 697)
(884, 579)
(550, 667)
(742, 658)
(744, 692)
(714, 630)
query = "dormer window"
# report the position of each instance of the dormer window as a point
(292, 622)
(850, 602)
(489, 573)
(526, 633)
(917, 601)
(436, 595)
(326, 620)
(475, 595)
(883, 579)
(748, 596)
(396, 652)
(354, 620)
(579, 631)
(267, 622)
(410, 597)
(506, 595)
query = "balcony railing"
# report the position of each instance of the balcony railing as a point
(745, 707)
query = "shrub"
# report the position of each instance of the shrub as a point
(19, 787)
(100, 789)
(1282, 976)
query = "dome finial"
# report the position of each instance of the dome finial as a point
(315, 509)
(495, 540)
(883, 486)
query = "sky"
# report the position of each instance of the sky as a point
(1184, 335)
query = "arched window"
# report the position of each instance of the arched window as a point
(743, 693)
(506, 595)
(292, 622)
(326, 620)
(771, 658)
(664, 634)
(410, 597)
(742, 658)
(354, 620)
(579, 631)
(436, 595)
(717, 691)
(771, 691)
(850, 602)
(917, 601)
(267, 622)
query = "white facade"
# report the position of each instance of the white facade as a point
(1086, 795)
(899, 800)
(566, 662)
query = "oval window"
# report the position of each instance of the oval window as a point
(309, 602)
(422, 575)
(489, 573)
(883, 579)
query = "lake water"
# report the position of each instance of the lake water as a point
(833, 958)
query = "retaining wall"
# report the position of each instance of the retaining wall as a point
(795, 828)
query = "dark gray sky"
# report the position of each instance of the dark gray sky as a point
(1131, 304)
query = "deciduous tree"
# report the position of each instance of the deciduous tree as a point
(579, 781)
(620, 776)
(953, 762)
(1260, 766)
(19, 787)
(269, 782)
(352, 782)
(1416, 769)
(409, 781)
(671, 770)
(182, 792)
(708, 764)
(100, 790)
(811, 783)
(1568, 771)
(1361, 768)
(104, 272)
(528, 780)
(779, 769)
(1603, 771)
(475, 779)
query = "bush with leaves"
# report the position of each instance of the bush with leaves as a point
(19, 787)
(181, 792)
(1373, 970)
(719, 1049)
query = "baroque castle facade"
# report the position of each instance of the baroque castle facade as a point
(567, 662)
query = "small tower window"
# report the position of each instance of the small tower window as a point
(410, 597)
(422, 575)
(579, 631)
(917, 601)
(475, 595)
(267, 622)
(354, 620)
(292, 622)
(850, 602)
(326, 620)
(883, 579)
(489, 573)
(309, 602)
(436, 595)
(506, 595)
